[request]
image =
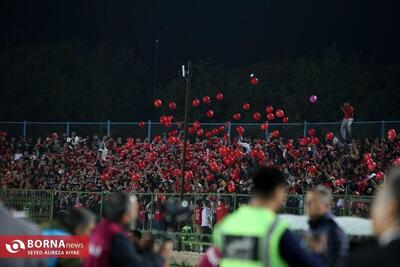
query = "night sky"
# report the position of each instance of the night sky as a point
(232, 32)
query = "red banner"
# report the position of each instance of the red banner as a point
(26, 246)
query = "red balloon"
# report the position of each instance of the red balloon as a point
(246, 106)
(209, 177)
(135, 176)
(208, 134)
(210, 114)
(370, 161)
(172, 105)
(238, 154)
(391, 134)
(257, 116)
(371, 166)
(141, 124)
(214, 167)
(105, 177)
(200, 132)
(305, 141)
(235, 175)
(240, 130)
(206, 100)
(280, 113)
(223, 150)
(329, 136)
(396, 162)
(269, 109)
(312, 169)
(141, 165)
(157, 139)
(219, 97)
(191, 130)
(253, 79)
(221, 128)
(195, 103)
(289, 146)
(228, 161)
(275, 134)
(172, 140)
(380, 176)
(157, 103)
(340, 182)
(189, 174)
(196, 124)
(163, 119)
(173, 133)
(314, 140)
(270, 116)
(367, 156)
(215, 131)
(167, 124)
(311, 132)
(285, 119)
(264, 126)
(231, 187)
(237, 116)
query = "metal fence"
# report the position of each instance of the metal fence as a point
(45, 205)
(42, 206)
(125, 129)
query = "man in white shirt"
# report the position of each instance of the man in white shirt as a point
(206, 222)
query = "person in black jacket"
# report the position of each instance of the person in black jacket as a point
(109, 244)
(386, 223)
(326, 238)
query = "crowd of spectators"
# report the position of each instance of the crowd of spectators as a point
(73, 163)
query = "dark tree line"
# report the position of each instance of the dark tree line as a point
(73, 81)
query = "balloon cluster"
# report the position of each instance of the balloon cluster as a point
(271, 114)
(371, 165)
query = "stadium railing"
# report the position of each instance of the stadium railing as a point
(150, 129)
(42, 206)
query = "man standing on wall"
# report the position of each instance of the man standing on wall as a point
(348, 118)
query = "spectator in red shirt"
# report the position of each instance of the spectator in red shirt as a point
(348, 118)
(197, 215)
(222, 210)
(158, 217)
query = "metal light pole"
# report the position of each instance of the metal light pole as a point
(185, 122)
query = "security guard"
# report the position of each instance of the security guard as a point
(254, 236)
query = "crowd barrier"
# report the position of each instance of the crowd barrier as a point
(42, 206)
(149, 129)
(45, 205)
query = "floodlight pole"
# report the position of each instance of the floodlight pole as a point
(188, 76)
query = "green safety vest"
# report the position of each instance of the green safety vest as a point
(250, 238)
